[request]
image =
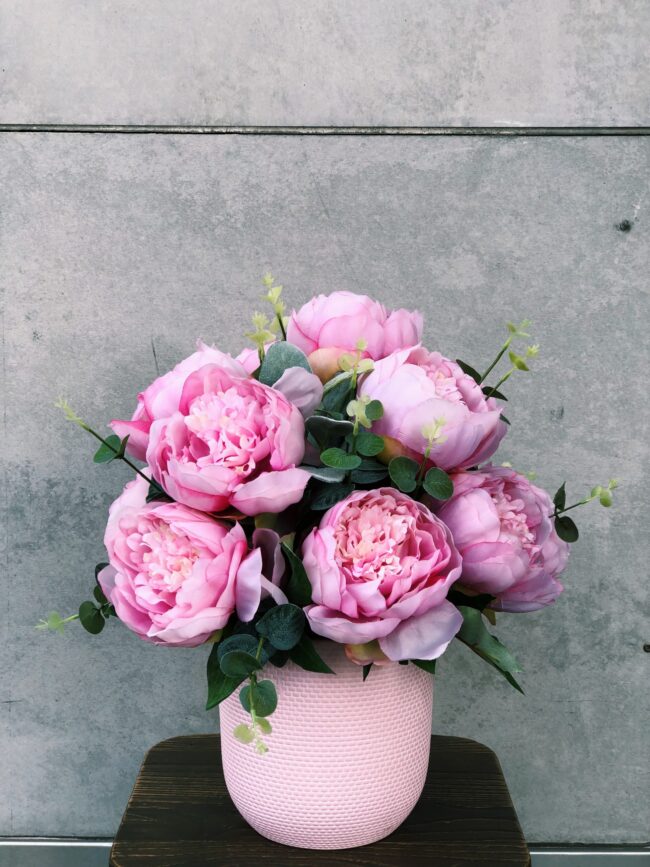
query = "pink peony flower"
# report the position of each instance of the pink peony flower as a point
(229, 441)
(161, 398)
(500, 523)
(176, 575)
(330, 325)
(418, 388)
(380, 565)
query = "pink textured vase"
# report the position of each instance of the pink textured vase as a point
(347, 758)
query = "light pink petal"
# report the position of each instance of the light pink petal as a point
(331, 624)
(138, 434)
(271, 492)
(303, 389)
(248, 586)
(424, 637)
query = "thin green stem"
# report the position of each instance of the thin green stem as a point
(281, 324)
(122, 457)
(500, 355)
(574, 506)
(500, 383)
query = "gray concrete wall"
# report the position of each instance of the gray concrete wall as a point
(331, 62)
(115, 246)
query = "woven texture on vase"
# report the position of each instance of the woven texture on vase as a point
(347, 758)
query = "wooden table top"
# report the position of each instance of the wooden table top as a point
(180, 815)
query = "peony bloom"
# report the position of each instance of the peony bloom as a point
(380, 565)
(229, 441)
(161, 398)
(501, 525)
(176, 575)
(330, 325)
(418, 388)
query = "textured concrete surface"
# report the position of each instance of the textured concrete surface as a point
(113, 247)
(371, 62)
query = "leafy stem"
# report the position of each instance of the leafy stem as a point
(515, 331)
(117, 451)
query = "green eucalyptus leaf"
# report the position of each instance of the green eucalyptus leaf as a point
(403, 473)
(306, 656)
(374, 410)
(337, 396)
(264, 726)
(438, 484)
(369, 444)
(324, 474)
(280, 658)
(91, 618)
(339, 459)
(155, 493)
(298, 586)
(279, 357)
(366, 671)
(244, 641)
(504, 419)
(566, 529)
(327, 430)
(98, 593)
(559, 500)
(283, 625)
(518, 361)
(238, 663)
(330, 495)
(260, 697)
(426, 664)
(219, 685)
(109, 450)
(469, 370)
(370, 471)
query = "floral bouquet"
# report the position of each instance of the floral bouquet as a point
(330, 483)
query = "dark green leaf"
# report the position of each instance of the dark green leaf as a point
(243, 641)
(480, 601)
(219, 686)
(283, 625)
(403, 472)
(329, 495)
(123, 444)
(492, 392)
(327, 430)
(260, 697)
(469, 370)
(559, 500)
(98, 593)
(426, 664)
(155, 493)
(566, 529)
(324, 474)
(279, 357)
(108, 450)
(475, 635)
(438, 484)
(280, 658)
(306, 656)
(238, 663)
(369, 476)
(298, 588)
(374, 410)
(366, 671)
(108, 610)
(369, 444)
(337, 398)
(503, 418)
(91, 618)
(339, 459)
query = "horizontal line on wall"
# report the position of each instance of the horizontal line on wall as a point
(505, 131)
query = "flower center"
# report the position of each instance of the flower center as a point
(225, 430)
(514, 526)
(370, 539)
(166, 558)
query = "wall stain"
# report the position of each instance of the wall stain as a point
(557, 414)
